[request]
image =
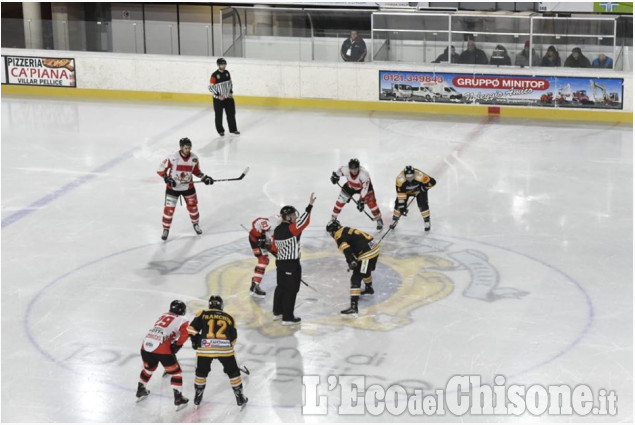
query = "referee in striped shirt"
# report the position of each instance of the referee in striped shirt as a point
(286, 240)
(220, 84)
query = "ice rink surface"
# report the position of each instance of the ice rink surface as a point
(527, 272)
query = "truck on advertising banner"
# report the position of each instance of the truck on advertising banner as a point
(490, 89)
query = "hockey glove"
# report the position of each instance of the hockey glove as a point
(262, 242)
(196, 341)
(401, 207)
(360, 205)
(207, 180)
(175, 348)
(169, 180)
(335, 178)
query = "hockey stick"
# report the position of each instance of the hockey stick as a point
(244, 370)
(242, 176)
(392, 227)
(357, 203)
(301, 280)
(309, 286)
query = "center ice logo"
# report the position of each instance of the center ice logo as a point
(409, 276)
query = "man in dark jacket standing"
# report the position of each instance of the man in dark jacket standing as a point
(353, 49)
(472, 55)
(220, 85)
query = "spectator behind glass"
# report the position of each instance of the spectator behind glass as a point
(577, 60)
(522, 58)
(472, 55)
(443, 57)
(602, 61)
(552, 58)
(353, 49)
(500, 56)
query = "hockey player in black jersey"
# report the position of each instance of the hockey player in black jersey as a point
(213, 334)
(412, 182)
(361, 254)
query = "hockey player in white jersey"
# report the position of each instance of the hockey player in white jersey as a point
(357, 182)
(177, 171)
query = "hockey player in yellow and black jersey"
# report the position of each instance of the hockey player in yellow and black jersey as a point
(213, 334)
(361, 254)
(413, 182)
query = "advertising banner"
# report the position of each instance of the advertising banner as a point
(491, 89)
(38, 71)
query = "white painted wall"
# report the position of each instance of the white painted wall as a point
(286, 79)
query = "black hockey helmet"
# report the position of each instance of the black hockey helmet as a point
(221, 61)
(177, 307)
(353, 163)
(286, 211)
(333, 226)
(409, 170)
(185, 142)
(215, 301)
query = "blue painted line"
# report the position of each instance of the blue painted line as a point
(56, 194)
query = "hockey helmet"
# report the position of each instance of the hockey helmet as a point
(177, 307)
(215, 301)
(221, 61)
(353, 164)
(333, 226)
(286, 211)
(185, 142)
(409, 171)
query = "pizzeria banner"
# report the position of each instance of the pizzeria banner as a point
(38, 71)
(491, 89)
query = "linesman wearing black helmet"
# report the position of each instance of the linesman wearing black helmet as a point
(220, 85)
(286, 245)
(213, 334)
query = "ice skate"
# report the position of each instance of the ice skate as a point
(368, 290)
(241, 400)
(256, 291)
(294, 321)
(165, 234)
(350, 312)
(142, 392)
(179, 400)
(197, 229)
(427, 225)
(198, 395)
(380, 224)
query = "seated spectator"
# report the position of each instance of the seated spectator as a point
(353, 48)
(500, 56)
(602, 61)
(522, 58)
(577, 60)
(473, 55)
(552, 58)
(443, 57)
